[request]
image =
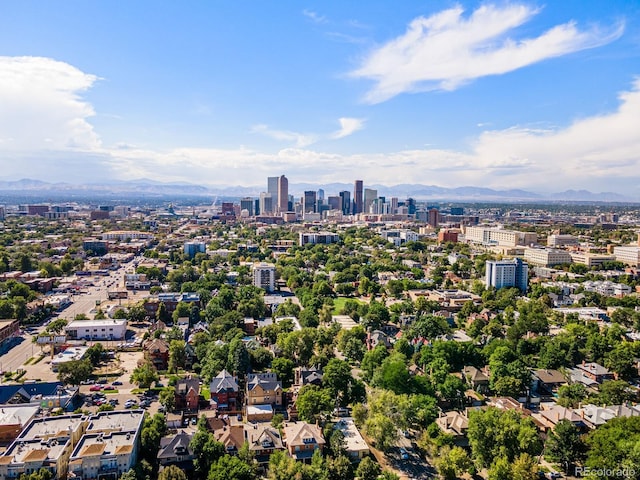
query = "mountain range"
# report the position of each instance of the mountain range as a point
(141, 187)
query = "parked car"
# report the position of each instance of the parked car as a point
(404, 455)
(102, 381)
(117, 383)
(95, 388)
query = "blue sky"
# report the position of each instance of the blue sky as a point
(541, 96)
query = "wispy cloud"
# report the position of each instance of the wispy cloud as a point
(348, 126)
(300, 139)
(447, 50)
(314, 16)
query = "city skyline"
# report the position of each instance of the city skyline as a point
(501, 95)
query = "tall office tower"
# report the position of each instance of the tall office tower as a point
(345, 202)
(256, 206)
(507, 273)
(309, 201)
(394, 205)
(247, 204)
(433, 216)
(357, 196)
(283, 194)
(369, 196)
(266, 203)
(335, 202)
(411, 205)
(320, 195)
(272, 189)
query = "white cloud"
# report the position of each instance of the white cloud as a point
(42, 107)
(446, 50)
(314, 16)
(300, 139)
(348, 126)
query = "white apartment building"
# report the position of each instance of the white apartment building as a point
(507, 273)
(546, 257)
(398, 237)
(629, 255)
(106, 329)
(264, 276)
(591, 259)
(558, 240)
(499, 236)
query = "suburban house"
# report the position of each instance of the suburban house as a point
(187, 393)
(263, 440)
(231, 436)
(302, 439)
(595, 371)
(157, 352)
(548, 381)
(263, 389)
(476, 379)
(224, 392)
(175, 450)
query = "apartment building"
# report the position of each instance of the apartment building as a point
(264, 276)
(546, 257)
(629, 255)
(507, 273)
(499, 236)
(109, 448)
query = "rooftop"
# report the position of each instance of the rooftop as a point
(116, 421)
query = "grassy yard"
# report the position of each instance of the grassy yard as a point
(205, 392)
(338, 304)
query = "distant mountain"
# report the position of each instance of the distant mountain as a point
(144, 186)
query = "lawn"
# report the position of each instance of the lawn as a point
(338, 304)
(205, 392)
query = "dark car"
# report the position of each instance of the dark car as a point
(117, 383)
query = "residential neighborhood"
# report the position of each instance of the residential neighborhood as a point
(221, 345)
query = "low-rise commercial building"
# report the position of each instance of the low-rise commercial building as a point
(105, 329)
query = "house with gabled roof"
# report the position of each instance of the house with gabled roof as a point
(231, 436)
(187, 393)
(225, 391)
(263, 440)
(263, 389)
(302, 439)
(175, 450)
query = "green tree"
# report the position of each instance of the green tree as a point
(313, 401)
(565, 446)
(167, 398)
(230, 467)
(94, 353)
(368, 469)
(177, 355)
(337, 378)
(206, 450)
(452, 462)
(144, 375)
(284, 368)
(171, 472)
(75, 372)
(496, 433)
(382, 430)
(613, 447)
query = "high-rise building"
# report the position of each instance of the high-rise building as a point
(507, 273)
(357, 196)
(433, 216)
(345, 202)
(411, 205)
(247, 204)
(334, 202)
(283, 194)
(309, 201)
(272, 186)
(266, 203)
(264, 276)
(369, 196)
